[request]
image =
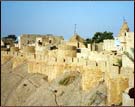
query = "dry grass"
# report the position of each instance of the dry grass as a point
(68, 80)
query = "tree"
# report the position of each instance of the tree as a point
(99, 36)
(13, 37)
(87, 41)
(9, 40)
(10, 37)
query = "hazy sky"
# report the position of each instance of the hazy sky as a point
(59, 17)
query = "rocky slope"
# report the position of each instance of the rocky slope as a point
(18, 88)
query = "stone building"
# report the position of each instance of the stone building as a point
(30, 40)
(130, 42)
(108, 45)
(26, 39)
(127, 44)
(122, 35)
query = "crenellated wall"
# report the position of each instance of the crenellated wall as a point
(55, 66)
(92, 71)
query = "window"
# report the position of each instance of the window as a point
(63, 60)
(50, 41)
(78, 50)
(40, 43)
(28, 42)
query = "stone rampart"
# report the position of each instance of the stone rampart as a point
(72, 61)
(55, 66)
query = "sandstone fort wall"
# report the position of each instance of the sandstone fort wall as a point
(92, 71)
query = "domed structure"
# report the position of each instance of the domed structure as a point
(76, 38)
(77, 41)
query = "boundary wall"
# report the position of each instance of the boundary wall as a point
(92, 71)
(56, 60)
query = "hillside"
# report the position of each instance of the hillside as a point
(18, 88)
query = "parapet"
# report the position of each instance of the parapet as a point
(68, 60)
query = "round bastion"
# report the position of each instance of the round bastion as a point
(66, 51)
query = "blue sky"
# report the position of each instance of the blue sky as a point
(59, 17)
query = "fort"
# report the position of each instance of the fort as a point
(52, 56)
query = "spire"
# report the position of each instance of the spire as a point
(124, 28)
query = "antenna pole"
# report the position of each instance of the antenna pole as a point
(124, 19)
(75, 29)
